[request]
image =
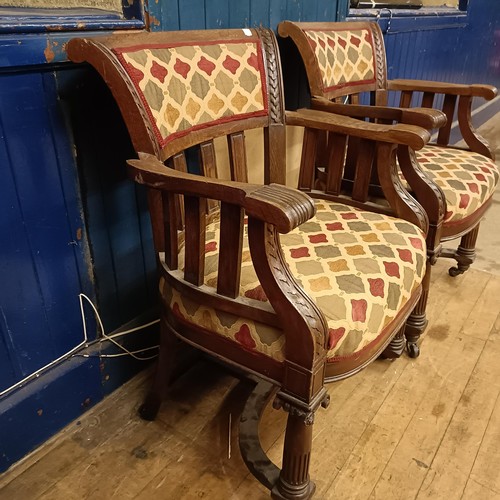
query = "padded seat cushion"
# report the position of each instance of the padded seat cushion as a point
(359, 267)
(467, 179)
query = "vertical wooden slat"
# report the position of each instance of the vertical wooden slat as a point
(337, 150)
(405, 99)
(237, 157)
(180, 164)
(208, 159)
(308, 160)
(275, 154)
(209, 167)
(171, 245)
(230, 245)
(364, 164)
(194, 265)
(449, 104)
(428, 99)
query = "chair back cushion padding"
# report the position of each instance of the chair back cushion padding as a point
(360, 268)
(344, 57)
(467, 179)
(188, 87)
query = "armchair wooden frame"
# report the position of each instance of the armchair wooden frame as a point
(335, 92)
(187, 208)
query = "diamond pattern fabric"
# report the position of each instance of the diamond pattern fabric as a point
(184, 88)
(467, 179)
(359, 267)
(344, 56)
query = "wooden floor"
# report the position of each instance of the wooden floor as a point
(426, 428)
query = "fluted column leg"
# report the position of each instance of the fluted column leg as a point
(417, 321)
(466, 252)
(294, 482)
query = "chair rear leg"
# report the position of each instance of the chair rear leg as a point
(466, 252)
(163, 374)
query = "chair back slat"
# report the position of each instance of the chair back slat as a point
(194, 251)
(171, 234)
(449, 107)
(230, 246)
(180, 164)
(405, 98)
(364, 163)
(428, 99)
(337, 152)
(308, 160)
(237, 157)
(209, 168)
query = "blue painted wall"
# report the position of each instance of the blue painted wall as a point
(71, 222)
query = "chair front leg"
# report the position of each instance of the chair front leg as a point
(417, 321)
(294, 482)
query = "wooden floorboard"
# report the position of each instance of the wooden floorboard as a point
(408, 429)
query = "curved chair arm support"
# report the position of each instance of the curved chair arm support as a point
(452, 92)
(411, 135)
(488, 92)
(281, 206)
(421, 117)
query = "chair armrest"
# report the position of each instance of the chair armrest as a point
(421, 117)
(452, 92)
(410, 135)
(275, 204)
(488, 92)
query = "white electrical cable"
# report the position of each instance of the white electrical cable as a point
(36, 374)
(111, 338)
(85, 343)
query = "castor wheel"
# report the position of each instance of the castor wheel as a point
(455, 271)
(413, 350)
(149, 409)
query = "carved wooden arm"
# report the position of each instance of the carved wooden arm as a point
(411, 135)
(488, 92)
(380, 142)
(452, 92)
(421, 117)
(281, 206)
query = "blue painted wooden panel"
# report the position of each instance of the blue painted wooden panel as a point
(212, 14)
(118, 221)
(41, 240)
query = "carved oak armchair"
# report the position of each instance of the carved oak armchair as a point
(259, 275)
(344, 60)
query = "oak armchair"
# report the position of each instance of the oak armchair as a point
(344, 60)
(256, 274)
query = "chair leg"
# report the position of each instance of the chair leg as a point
(164, 368)
(396, 346)
(294, 482)
(465, 253)
(417, 321)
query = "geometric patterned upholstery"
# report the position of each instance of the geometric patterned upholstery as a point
(467, 179)
(343, 56)
(359, 267)
(184, 88)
